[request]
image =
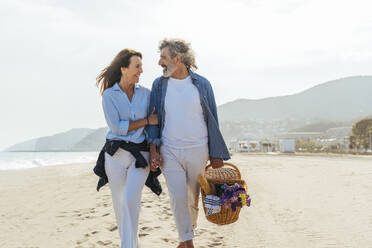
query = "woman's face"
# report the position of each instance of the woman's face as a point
(134, 70)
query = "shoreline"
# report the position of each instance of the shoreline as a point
(248, 154)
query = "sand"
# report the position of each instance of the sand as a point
(297, 201)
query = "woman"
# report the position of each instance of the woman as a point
(125, 105)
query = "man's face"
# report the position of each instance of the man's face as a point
(168, 64)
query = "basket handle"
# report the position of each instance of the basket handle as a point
(227, 164)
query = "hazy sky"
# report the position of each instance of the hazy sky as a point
(52, 51)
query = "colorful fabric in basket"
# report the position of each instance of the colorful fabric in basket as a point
(212, 204)
(234, 196)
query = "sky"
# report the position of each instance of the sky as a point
(52, 51)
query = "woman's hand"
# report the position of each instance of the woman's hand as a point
(152, 118)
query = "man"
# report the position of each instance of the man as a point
(188, 134)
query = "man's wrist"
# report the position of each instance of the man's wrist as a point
(152, 148)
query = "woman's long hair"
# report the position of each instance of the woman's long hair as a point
(112, 73)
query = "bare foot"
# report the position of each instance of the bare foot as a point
(181, 245)
(186, 244)
(189, 244)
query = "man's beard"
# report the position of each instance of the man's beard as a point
(169, 70)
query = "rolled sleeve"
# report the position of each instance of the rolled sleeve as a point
(155, 141)
(150, 134)
(153, 131)
(117, 126)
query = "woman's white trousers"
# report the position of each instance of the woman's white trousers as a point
(126, 183)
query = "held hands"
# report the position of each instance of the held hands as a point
(152, 119)
(155, 159)
(216, 162)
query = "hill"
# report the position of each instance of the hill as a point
(333, 104)
(65, 141)
(339, 100)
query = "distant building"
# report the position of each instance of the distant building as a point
(244, 146)
(253, 146)
(267, 146)
(287, 140)
(287, 145)
(239, 146)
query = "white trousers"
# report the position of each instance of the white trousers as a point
(126, 183)
(181, 168)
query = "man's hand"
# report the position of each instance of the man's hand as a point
(155, 158)
(216, 162)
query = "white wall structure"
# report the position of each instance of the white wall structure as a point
(287, 145)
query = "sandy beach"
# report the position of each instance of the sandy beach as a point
(297, 201)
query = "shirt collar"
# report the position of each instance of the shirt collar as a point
(117, 87)
(192, 75)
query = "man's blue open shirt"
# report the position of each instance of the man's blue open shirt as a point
(216, 143)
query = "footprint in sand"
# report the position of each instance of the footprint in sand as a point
(146, 228)
(215, 245)
(216, 242)
(201, 230)
(104, 243)
(112, 228)
(80, 241)
(164, 218)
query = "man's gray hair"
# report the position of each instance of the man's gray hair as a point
(181, 48)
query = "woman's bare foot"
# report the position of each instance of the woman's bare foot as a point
(189, 244)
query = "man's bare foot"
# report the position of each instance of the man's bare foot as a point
(181, 245)
(186, 244)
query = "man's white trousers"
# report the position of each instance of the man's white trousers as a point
(181, 168)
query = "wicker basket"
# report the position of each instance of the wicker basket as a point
(221, 176)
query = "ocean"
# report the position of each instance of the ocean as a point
(26, 160)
